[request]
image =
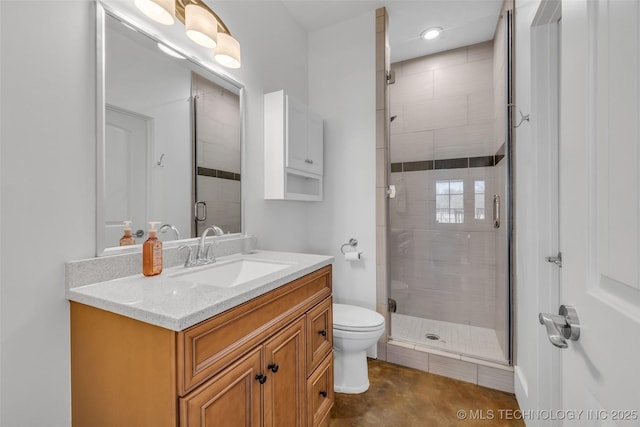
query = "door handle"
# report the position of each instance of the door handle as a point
(197, 210)
(562, 326)
(496, 211)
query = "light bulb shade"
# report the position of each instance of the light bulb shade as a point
(227, 52)
(162, 11)
(201, 26)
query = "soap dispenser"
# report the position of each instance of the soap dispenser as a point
(152, 252)
(127, 239)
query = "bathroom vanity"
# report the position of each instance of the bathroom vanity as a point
(254, 352)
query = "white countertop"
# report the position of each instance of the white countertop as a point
(176, 304)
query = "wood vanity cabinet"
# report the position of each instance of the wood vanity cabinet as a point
(267, 362)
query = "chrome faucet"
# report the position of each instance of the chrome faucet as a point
(202, 256)
(165, 227)
(188, 262)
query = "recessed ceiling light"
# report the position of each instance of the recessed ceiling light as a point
(431, 33)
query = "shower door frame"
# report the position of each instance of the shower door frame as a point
(510, 177)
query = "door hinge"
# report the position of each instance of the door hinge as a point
(391, 77)
(557, 260)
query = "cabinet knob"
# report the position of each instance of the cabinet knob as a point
(323, 333)
(308, 161)
(323, 393)
(261, 378)
(274, 367)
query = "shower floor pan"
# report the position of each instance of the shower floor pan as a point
(472, 341)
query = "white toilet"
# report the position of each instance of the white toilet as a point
(355, 329)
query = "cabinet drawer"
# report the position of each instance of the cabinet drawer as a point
(319, 333)
(320, 392)
(210, 346)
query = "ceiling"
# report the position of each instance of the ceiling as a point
(464, 22)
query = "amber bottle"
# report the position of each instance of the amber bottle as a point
(127, 239)
(152, 252)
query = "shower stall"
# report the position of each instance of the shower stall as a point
(450, 220)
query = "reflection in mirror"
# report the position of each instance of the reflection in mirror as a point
(171, 150)
(217, 136)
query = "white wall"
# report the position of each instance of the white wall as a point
(48, 177)
(342, 90)
(48, 196)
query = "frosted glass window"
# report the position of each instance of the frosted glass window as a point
(450, 201)
(478, 190)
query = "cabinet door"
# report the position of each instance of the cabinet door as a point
(231, 398)
(284, 403)
(315, 142)
(296, 137)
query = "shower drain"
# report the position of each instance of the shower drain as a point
(432, 337)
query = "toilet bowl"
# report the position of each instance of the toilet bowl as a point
(355, 329)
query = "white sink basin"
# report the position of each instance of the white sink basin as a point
(228, 274)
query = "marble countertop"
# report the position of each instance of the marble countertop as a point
(173, 302)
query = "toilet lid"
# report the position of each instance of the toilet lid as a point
(351, 317)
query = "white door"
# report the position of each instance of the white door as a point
(126, 136)
(599, 208)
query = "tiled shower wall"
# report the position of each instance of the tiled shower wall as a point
(219, 157)
(443, 105)
(444, 130)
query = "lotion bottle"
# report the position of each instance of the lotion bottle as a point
(152, 252)
(127, 239)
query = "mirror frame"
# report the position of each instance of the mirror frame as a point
(216, 76)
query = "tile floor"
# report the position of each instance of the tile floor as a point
(405, 397)
(466, 340)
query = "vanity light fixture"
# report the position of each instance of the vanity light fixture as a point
(431, 33)
(202, 25)
(162, 11)
(227, 52)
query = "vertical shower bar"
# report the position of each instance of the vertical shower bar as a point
(194, 133)
(509, 202)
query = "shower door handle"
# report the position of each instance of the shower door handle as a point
(496, 211)
(197, 211)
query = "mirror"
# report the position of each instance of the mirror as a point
(170, 144)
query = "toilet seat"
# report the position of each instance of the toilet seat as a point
(353, 318)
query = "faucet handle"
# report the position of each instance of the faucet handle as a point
(188, 262)
(210, 257)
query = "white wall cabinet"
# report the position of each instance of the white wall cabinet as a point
(293, 149)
